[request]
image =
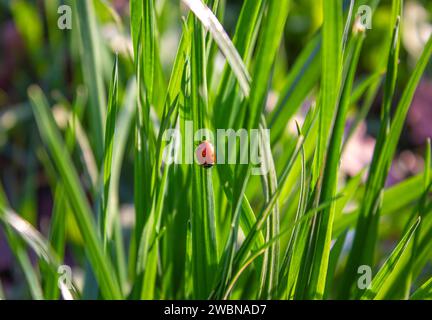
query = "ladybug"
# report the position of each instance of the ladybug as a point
(205, 154)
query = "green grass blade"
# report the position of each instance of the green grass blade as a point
(77, 199)
(57, 239)
(110, 123)
(380, 167)
(204, 248)
(335, 255)
(364, 242)
(422, 211)
(390, 264)
(123, 128)
(25, 231)
(265, 212)
(256, 253)
(331, 75)
(92, 71)
(149, 47)
(331, 80)
(424, 292)
(270, 277)
(145, 152)
(20, 253)
(228, 98)
(61, 209)
(150, 239)
(273, 26)
(210, 22)
(298, 240)
(395, 199)
(302, 77)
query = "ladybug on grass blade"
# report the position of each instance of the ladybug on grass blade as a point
(205, 154)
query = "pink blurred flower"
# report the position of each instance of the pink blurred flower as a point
(358, 151)
(420, 114)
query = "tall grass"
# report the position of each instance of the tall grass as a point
(299, 231)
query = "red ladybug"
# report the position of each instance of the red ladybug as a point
(205, 154)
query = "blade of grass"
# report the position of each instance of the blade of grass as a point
(424, 292)
(302, 77)
(255, 254)
(57, 239)
(152, 232)
(335, 255)
(110, 124)
(371, 196)
(93, 245)
(331, 80)
(210, 22)
(421, 213)
(362, 253)
(20, 253)
(265, 212)
(228, 100)
(26, 232)
(61, 209)
(122, 131)
(391, 263)
(331, 75)
(92, 71)
(273, 26)
(270, 274)
(204, 248)
(395, 199)
(298, 239)
(144, 152)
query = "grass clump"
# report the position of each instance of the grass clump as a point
(301, 229)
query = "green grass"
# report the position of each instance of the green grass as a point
(222, 232)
